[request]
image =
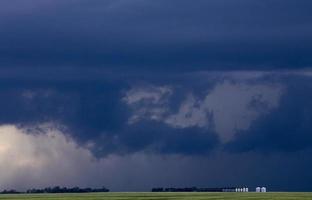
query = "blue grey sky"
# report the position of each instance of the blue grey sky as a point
(143, 93)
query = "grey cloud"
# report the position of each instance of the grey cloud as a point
(285, 129)
(176, 35)
(229, 107)
(147, 102)
(205, 85)
(54, 158)
(193, 111)
(94, 115)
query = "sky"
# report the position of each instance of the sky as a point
(138, 94)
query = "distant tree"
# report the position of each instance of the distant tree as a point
(10, 192)
(157, 189)
(58, 189)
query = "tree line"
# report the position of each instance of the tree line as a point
(191, 189)
(57, 189)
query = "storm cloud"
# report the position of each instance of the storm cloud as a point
(52, 157)
(164, 116)
(149, 35)
(175, 91)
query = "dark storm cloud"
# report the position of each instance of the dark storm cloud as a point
(118, 117)
(158, 138)
(78, 104)
(286, 129)
(93, 111)
(148, 84)
(157, 34)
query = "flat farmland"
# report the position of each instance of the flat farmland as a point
(164, 196)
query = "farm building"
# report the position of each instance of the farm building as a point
(261, 189)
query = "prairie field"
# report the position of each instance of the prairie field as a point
(163, 196)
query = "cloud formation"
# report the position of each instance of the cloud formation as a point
(229, 107)
(203, 84)
(176, 36)
(36, 160)
(50, 157)
(184, 114)
(147, 102)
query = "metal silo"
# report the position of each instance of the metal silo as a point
(263, 189)
(258, 189)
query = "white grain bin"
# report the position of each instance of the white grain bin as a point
(263, 189)
(246, 189)
(258, 189)
(236, 189)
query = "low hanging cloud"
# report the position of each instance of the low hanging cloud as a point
(188, 114)
(227, 108)
(30, 158)
(147, 102)
(44, 156)
(91, 141)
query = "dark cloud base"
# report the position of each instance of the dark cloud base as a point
(286, 129)
(94, 112)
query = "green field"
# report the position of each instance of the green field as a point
(164, 196)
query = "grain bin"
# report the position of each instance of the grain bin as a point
(263, 189)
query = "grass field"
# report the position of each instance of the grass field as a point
(164, 196)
